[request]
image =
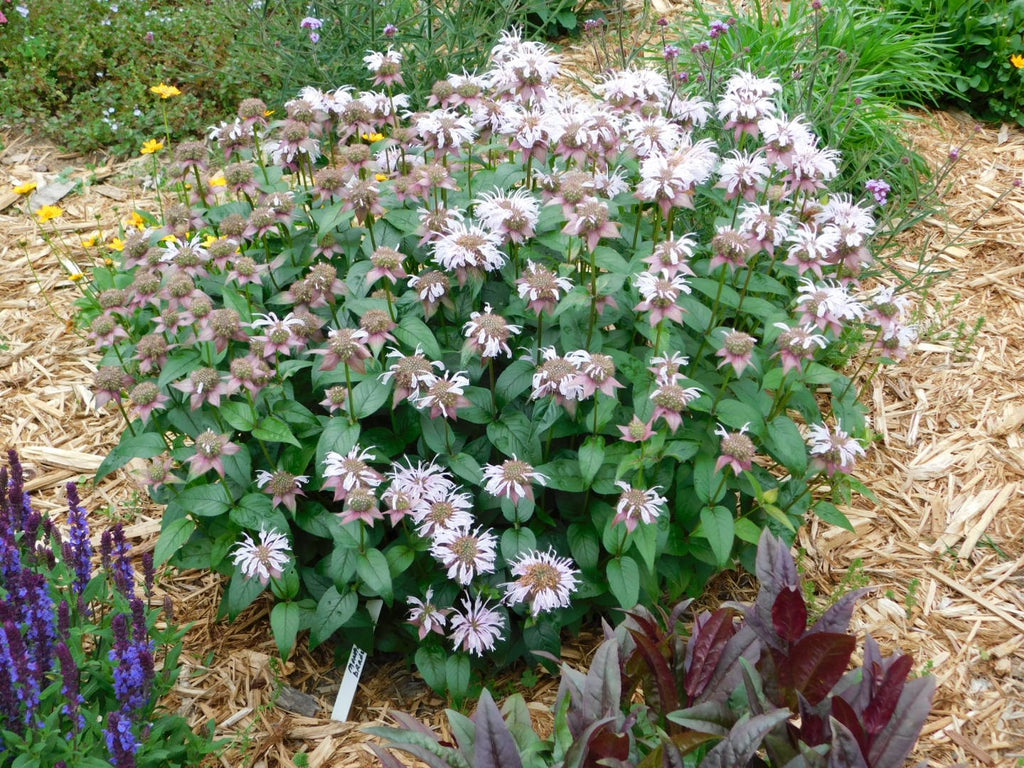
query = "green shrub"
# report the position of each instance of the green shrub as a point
(850, 71)
(582, 363)
(987, 56)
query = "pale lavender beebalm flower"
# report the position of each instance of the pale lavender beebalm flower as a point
(512, 479)
(736, 450)
(263, 559)
(283, 486)
(426, 616)
(477, 627)
(638, 505)
(464, 552)
(833, 451)
(544, 580)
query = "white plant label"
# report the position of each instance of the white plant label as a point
(353, 671)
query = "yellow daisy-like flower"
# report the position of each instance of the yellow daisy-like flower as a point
(150, 146)
(137, 221)
(1017, 60)
(116, 244)
(76, 277)
(91, 240)
(380, 176)
(165, 91)
(218, 181)
(210, 240)
(48, 212)
(24, 189)
(169, 239)
(372, 137)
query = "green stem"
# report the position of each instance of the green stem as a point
(348, 385)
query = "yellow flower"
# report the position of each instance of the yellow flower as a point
(210, 240)
(1017, 60)
(48, 212)
(91, 240)
(150, 146)
(116, 244)
(24, 189)
(218, 181)
(137, 221)
(169, 239)
(268, 112)
(108, 262)
(165, 91)
(372, 137)
(75, 277)
(381, 176)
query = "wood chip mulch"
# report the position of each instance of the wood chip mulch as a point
(943, 541)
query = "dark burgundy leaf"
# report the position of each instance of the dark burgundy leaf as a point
(711, 633)
(845, 752)
(410, 723)
(844, 713)
(887, 695)
(837, 617)
(648, 624)
(387, 760)
(714, 718)
(423, 755)
(671, 757)
(603, 685)
(743, 740)
(606, 743)
(743, 645)
(813, 722)
(677, 611)
(789, 614)
(818, 661)
(580, 747)
(571, 687)
(891, 747)
(495, 746)
(664, 680)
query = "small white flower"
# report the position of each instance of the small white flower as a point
(263, 559)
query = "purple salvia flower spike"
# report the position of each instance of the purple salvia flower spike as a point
(81, 548)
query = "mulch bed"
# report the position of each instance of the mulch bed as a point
(943, 541)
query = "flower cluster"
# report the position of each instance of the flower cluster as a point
(92, 632)
(416, 337)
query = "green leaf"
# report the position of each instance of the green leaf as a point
(338, 436)
(624, 581)
(831, 514)
(239, 415)
(332, 612)
(373, 569)
(457, 675)
(413, 332)
(284, 621)
(784, 442)
(563, 475)
(747, 531)
(178, 366)
(143, 446)
(734, 414)
(610, 260)
(512, 434)
(255, 511)
(584, 545)
(516, 541)
(591, 458)
(274, 430)
(514, 380)
(705, 479)
(719, 528)
(430, 662)
(645, 539)
(172, 536)
(466, 467)
(204, 500)
(368, 396)
(241, 592)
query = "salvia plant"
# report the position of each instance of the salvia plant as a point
(83, 659)
(756, 685)
(496, 364)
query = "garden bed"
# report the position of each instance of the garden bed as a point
(943, 544)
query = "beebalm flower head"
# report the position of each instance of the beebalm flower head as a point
(736, 450)
(488, 334)
(670, 399)
(361, 505)
(411, 373)
(541, 287)
(660, 293)
(464, 552)
(637, 431)
(210, 450)
(426, 616)
(796, 344)
(638, 505)
(558, 377)
(543, 580)
(265, 558)
(444, 395)
(282, 485)
(477, 628)
(512, 479)
(833, 451)
(597, 372)
(737, 350)
(345, 473)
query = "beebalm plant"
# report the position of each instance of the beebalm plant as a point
(745, 686)
(497, 364)
(84, 656)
